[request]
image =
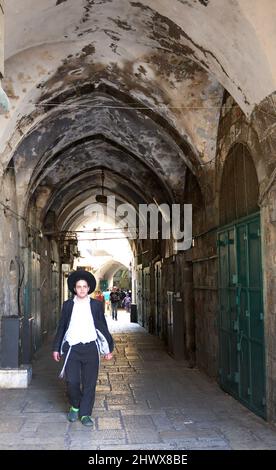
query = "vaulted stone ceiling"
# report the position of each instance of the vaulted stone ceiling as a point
(131, 87)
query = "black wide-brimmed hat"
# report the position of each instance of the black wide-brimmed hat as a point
(81, 275)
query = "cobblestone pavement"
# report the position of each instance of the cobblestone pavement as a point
(145, 400)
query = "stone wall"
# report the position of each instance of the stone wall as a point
(9, 259)
(264, 119)
(1, 40)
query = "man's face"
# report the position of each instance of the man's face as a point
(81, 289)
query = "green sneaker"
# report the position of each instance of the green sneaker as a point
(73, 414)
(87, 421)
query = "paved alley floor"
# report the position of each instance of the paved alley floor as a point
(144, 400)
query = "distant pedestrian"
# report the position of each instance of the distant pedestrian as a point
(127, 302)
(114, 301)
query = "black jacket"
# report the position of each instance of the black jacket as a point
(98, 317)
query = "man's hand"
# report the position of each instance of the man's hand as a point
(108, 356)
(56, 356)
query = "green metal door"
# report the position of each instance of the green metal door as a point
(139, 294)
(146, 297)
(158, 294)
(241, 328)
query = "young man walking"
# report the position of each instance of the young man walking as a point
(82, 322)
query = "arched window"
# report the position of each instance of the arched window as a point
(239, 186)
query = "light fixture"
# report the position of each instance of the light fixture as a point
(101, 198)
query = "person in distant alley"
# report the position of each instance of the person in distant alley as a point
(114, 300)
(82, 334)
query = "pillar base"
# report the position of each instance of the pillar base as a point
(16, 378)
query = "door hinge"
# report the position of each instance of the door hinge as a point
(237, 377)
(261, 316)
(249, 391)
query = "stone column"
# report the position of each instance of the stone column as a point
(1, 40)
(264, 119)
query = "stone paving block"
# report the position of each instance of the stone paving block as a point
(34, 407)
(100, 401)
(109, 423)
(111, 407)
(150, 397)
(120, 386)
(83, 447)
(162, 423)
(247, 445)
(51, 430)
(46, 417)
(141, 436)
(136, 422)
(238, 434)
(188, 443)
(115, 377)
(13, 408)
(142, 411)
(199, 446)
(29, 426)
(174, 436)
(106, 414)
(11, 425)
(36, 441)
(103, 388)
(118, 399)
(93, 437)
(141, 446)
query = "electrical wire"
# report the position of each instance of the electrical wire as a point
(134, 107)
(19, 217)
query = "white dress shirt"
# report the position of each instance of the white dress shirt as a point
(81, 328)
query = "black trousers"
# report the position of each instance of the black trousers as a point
(81, 373)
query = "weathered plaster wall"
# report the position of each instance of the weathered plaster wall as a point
(70, 147)
(219, 34)
(189, 102)
(230, 33)
(9, 249)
